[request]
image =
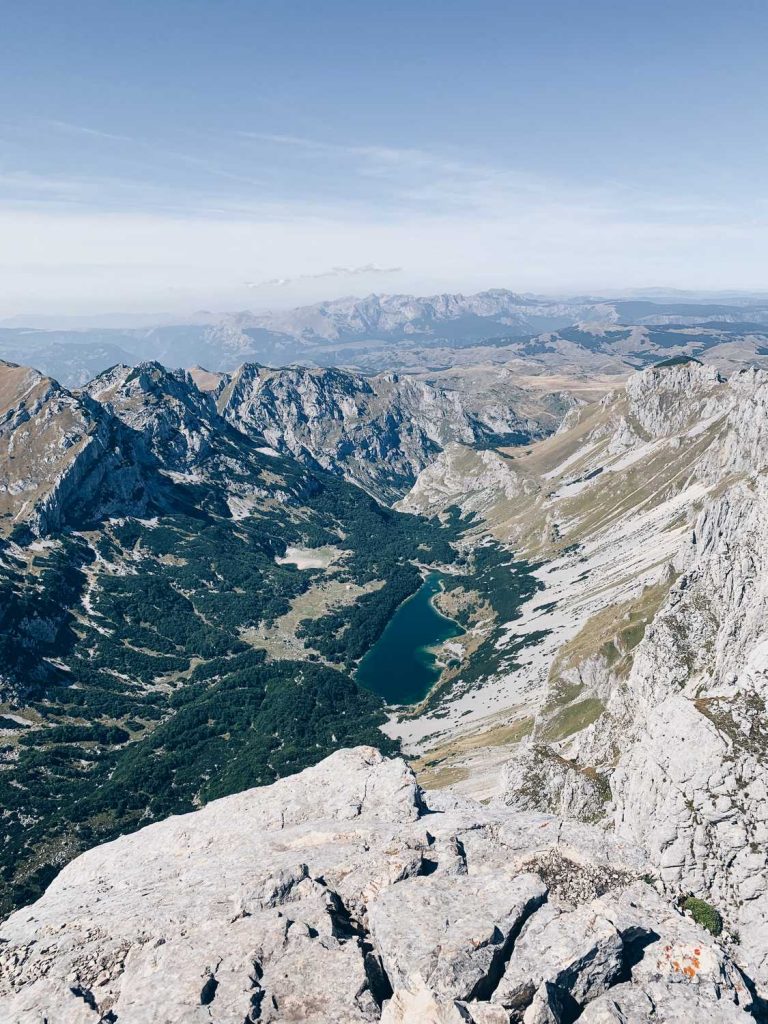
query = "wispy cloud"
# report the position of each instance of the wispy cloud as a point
(120, 164)
(407, 178)
(283, 178)
(366, 270)
(304, 217)
(68, 128)
(391, 153)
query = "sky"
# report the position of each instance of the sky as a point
(174, 155)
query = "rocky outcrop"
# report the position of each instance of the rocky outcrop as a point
(476, 481)
(682, 741)
(177, 421)
(378, 432)
(692, 779)
(345, 894)
(131, 443)
(538, 779)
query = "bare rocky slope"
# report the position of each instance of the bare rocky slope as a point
(57, 451)
(637, 673)
(347, 894)
(380, 431)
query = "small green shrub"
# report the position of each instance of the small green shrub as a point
(704, 914)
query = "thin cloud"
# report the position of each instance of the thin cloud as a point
(78, 129)
(195, 225)
(419, 179)
(335, 272)
(323, 146)
(147, 155)
(390, 156)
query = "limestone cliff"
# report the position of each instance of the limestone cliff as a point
(379, 431)
(648, 687)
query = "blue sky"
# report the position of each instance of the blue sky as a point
(176, 154)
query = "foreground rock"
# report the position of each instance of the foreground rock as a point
(338, 896)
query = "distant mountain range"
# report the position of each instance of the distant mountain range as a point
(406, 332)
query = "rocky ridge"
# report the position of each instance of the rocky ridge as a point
(103, 450)
(347, 894)
(379, 432)
(128, 444)
(191, 442)
(58, 450)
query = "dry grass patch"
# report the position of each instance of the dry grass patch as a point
(280, 641)
(572, 719)
(612, 633)
(442, 766)
(441, 778)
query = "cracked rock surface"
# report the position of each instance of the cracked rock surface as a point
(346, 894)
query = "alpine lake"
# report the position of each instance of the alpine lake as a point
(402, 665)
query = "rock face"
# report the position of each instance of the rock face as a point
(114, 447)
(110, 444)
(181, 429)
(693, 778)
(127, 444)
(687, 725)
(343, 895)
(62, 454)
(379, 432)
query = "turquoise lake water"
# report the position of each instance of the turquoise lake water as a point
(400, 667)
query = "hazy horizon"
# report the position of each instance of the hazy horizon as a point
(117, 319)
(159, 159)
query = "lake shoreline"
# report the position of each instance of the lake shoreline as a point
(403, 666)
